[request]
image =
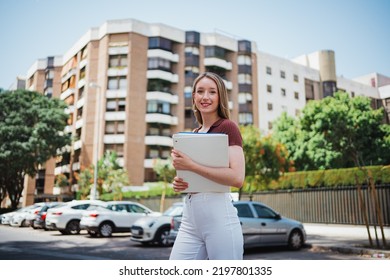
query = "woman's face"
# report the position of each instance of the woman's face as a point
(206, 97)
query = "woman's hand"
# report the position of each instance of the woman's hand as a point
(181, 161)
(179, 185)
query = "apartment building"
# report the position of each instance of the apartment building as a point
(128, 87)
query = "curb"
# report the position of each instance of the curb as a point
(373, 253)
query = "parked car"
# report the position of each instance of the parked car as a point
(23, 218)
(40, 217)
(116, 216)
(66, 218)
(149, 230)
(261, 227)
(6, 217)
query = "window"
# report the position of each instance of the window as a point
(244, 60)
(296, 78)
(282, 74)
(119, 82)
(269, 106)
(160, 43)
(191, 50)
(159, 63)
(244, 97)
(118, 60)
(117, 148)
(296, 95)
(118, 104)
(263, 212)
(269, 125)
(192, 37)
(269, 88)
(115, 127)
(244, 211)
(283, 91)
(244, 79)
(268, 70)
(245, 118)
(244, 46)
(156, 106)
(214, 51)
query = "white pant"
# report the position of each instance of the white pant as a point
(210, 229)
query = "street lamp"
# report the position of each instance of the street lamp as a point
(93, 195)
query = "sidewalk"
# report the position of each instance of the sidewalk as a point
(348, 239)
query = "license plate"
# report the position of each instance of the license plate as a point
(135, 231)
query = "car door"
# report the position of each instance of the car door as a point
(119, 215)
(249, 223)
(272, 229)
(135, 212)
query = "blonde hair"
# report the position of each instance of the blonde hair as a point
(223, 106)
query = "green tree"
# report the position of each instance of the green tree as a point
(265, 159)
(336, 132)
(31, 132)
(111, 177)
(165, 172)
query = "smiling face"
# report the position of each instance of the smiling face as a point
(206, 96)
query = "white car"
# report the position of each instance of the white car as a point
(116, 216)
(155, 229)
(66, 218)
(23, 218)
(7, 217)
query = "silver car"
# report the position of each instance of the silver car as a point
(261, 227)
(149, 230)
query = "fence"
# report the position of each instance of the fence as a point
(339, 205)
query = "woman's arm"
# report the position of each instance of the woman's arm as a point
(233, 175)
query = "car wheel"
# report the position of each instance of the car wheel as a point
(295, 241)
(24, 224)
(161, 237)
(106, 229)
(73, 227)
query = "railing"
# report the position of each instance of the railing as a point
(339, 205)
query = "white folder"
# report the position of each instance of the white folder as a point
(209, 149)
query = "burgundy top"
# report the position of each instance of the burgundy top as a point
(228, 127)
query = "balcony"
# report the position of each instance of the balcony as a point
(115, 116)
(161, 118)
(163, 75)
(77, 145)
(214, 61)
(67, 93)
(114, 72)
(162, 96)
(114, 139)
(62, 169)
(163, 54)
(158, 140)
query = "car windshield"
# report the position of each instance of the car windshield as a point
(175, 210)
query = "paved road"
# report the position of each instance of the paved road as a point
(26, 243)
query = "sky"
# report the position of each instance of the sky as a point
(358, 31)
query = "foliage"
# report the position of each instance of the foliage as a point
(61, 181)
(84, 181)
(111, 177)
(265, 159)
(331, 178)
(31, 132)
(164, 169)
(335, 132)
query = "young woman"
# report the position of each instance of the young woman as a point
(210, 228)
